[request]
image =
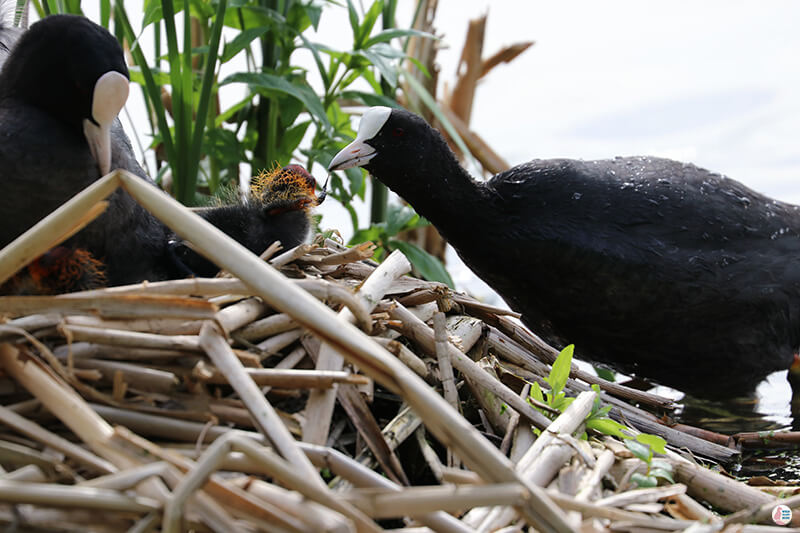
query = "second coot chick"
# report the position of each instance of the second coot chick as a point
(650, 265)
(277, 209)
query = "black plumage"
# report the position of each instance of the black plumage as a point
(653, 266)
(58, 125)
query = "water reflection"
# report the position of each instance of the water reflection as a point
(768, 409)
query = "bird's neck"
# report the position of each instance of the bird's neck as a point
(440, 190)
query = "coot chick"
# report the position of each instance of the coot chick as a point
(653, 266)
(60, 270)
(277, 209)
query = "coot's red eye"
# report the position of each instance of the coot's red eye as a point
(398, 132)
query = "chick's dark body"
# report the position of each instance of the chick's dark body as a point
(651, 265)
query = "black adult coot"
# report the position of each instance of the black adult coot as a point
(61, 88)
(650, 265)
(60, 91)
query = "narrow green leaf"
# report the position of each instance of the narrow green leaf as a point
(369, 99)
(203, 106)
(313, 48)
(662, 464)
(428, 266)
(241, 41)
(606, 426)
(603, 411)
(387, 35)
(153, 90)
(426, 98)
(137, 76)
(271, 82)
(560, 371)
(561, 402)
(314, 13)
(367, 24)
(388, 70)
(105, 13)
(372, 234)
(353, 15)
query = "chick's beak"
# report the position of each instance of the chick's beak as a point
(355, 154)
(110, 94)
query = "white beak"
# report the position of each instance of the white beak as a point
(110, 94)
(355, 154)
(358, 152)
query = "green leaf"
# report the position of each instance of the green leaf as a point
(602, 412)
(561, 402)
(560, 371)
(642, 451)
(644, 482)
(605, 373)
(269, 82)
(314, 49)
(372, 234)
(388, 70)
(428, 266)
(662, 464)
(388, 35)
(243, 15)
(606, 426)
(420, 91)
(397, 217)
(655, 442)
(536, 392)
(291, 138)
(242, 41)
(369, 99)
(368, 23)
(661, 473)
(159, 77)
(353, 16)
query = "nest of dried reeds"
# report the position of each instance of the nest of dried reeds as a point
(334, 395)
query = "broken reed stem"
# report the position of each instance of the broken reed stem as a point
(445, 368)
(445, 371)
(265, 417)
(294, 379)
(319, 408)
(541, 462)
(133, 339)
(38, 433)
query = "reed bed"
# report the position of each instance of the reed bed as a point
(314, 390)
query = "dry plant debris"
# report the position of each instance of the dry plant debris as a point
(337, 395)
